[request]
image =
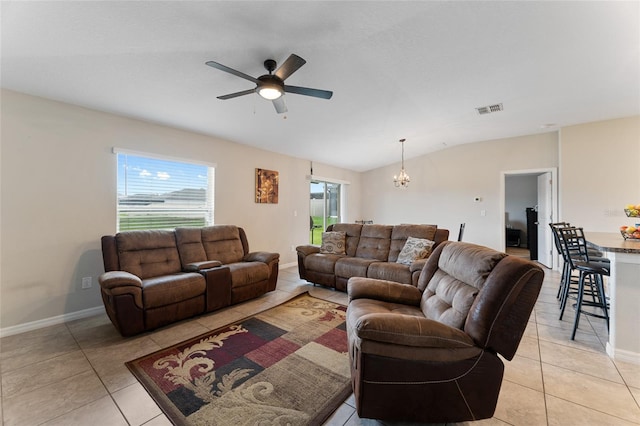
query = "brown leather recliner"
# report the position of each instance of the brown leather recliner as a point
(430, 353)
(154, 277)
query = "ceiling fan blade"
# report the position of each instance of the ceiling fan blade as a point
(279, 104)
(316, 93)
(232, 71)
(291, 65)
(236, 94)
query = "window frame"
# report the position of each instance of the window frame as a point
(208, 208)
(316, 229)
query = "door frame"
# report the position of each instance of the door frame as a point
(554, 203)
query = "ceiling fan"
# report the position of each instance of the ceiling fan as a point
(271, 86)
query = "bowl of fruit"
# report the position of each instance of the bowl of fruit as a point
(630, 232)
(632, 210)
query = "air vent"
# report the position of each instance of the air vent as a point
(489, 109)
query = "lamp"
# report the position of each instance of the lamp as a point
(402, 180)
(270, 92)
(270, 86)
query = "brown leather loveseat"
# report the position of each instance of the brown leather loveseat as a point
(370, 251)
(155, 277)
(430, 353)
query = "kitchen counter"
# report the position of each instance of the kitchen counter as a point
(624, 293)
(612, 242)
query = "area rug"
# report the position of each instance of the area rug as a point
(285, 366)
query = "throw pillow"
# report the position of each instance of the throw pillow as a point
(333, 242)
(414, 249)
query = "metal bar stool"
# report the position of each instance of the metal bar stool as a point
(566, 270)
(591, 274)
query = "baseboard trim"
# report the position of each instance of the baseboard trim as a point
(623, 355)
(60, 319)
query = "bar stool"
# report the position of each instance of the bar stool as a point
(567, 278)
(566, 270)
(590, 281)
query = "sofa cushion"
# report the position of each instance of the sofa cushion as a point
(461, 272)
(397, 272)
(333, 242)
(414, 249)
(377, 320)
(402, 232)
(148, 253)
(223, 243)
(245, 273)
(189, 241)
(348, 267)
(375, 241)
(352, 232)
(321, 262)
(171, 289)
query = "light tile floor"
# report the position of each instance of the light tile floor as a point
(74, 373)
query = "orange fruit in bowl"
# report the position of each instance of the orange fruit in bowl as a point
(636, 234)
(623, 227)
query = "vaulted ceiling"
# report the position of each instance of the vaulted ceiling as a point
(414, 70)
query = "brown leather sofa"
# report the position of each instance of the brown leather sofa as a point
(371, 251)
(430, 353)
(154, 278)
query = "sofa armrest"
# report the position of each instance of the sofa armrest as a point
(409, 330)
(261, 256)
(113, 279)
(418, 265)
(387, 291)
(199, 266)
(306, 250)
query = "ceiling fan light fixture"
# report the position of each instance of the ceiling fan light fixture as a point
(270, 92)
(271, 86)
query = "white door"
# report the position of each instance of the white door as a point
(545, 215)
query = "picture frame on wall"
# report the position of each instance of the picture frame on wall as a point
(267, 186)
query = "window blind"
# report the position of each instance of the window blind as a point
(156, 193)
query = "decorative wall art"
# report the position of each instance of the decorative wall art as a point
(266, 186)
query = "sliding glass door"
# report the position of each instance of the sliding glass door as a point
(324, 208)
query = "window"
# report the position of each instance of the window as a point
(324, 208)
(155, 193)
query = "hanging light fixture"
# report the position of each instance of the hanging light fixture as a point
(402, 180)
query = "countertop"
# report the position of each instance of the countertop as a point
(612, 241)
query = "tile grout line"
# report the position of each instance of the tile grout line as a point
(99, 378)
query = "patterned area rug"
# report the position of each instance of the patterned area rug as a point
(284, 366)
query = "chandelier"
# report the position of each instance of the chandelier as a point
(402, 180)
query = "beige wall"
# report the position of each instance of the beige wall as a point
(58, 186)
(444, 184)
(600, 173)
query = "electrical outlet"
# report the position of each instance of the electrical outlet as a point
(293, 248)
(86, 282)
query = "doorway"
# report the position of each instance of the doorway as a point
(529, 203)
(324, 208)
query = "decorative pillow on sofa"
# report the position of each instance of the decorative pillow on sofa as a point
(333, 242)
(414, 249)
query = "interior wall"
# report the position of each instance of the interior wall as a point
(445, 183)
(58, 197)
(521, 191)
(597, 175)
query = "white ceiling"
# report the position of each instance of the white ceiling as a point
(414, 70)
